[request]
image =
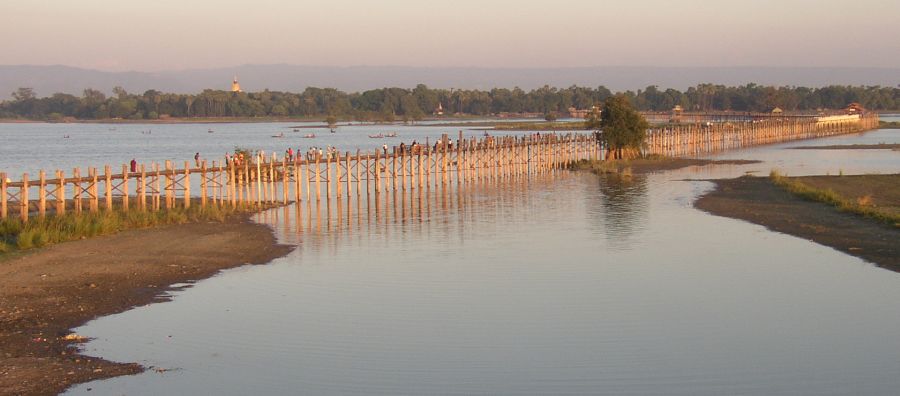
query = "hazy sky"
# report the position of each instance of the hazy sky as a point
(154, 35)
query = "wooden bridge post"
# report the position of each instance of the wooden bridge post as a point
(458, 161)
(160, 188)
(318, 181)
(23, 199)
(272, 179)
(427, 149)
(393, 168)
(232, 183)
(107, 184)
(368, 177)
(263, 180)
(259, 196)
(142, 189)
(444, 171)
(337, 177)
(347, 167)
(358, 164)
(187, 185)
(157, 192)
(377, 171)
(95, 191)
(328, 178)
(298, 180)
(203, 185)
(402, 171)
(168, 185)
(308, 178)
(60, 192)
(42, 193)
(3, 197)
(125, 177)
(284, 180)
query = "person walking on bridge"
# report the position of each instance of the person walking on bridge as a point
(133, 165)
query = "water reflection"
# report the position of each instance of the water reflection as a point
(622, 207)
(523, 287)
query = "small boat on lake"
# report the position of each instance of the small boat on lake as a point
(296, 130)
(378, 136)
(210, 131)
(391, 134)
(310, 136)
(280, 135)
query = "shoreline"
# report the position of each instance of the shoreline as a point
(759, 201)
(48, 292)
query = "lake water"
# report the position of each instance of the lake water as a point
(566, 284)
(29, 147)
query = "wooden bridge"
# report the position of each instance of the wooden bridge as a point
(270, 179)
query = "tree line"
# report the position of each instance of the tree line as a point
(395, 104)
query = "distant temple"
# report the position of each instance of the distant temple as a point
(439, 111)
(582, 113)
(855, 108)
(235, 85)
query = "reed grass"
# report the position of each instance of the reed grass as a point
(42, 231)
(828, 196)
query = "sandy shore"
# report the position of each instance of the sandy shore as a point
(759, 201)
(45, 293)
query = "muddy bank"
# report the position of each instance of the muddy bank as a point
(880, 146)
(759, 201)
(47, 292)
(650, 165)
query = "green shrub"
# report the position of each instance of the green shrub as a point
(25, 239)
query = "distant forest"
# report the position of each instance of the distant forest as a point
(393, 104)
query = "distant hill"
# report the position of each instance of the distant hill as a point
(50, 79)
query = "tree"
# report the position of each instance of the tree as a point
(23, 94)
(120, 92)
(622, 127)
(331, 120)
(550, 117)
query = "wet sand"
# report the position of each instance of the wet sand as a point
(759, 201)
(651, 165)
(47, 292)
(880, 146)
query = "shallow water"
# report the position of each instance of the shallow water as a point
(566, 284)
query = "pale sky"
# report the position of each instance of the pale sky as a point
(152, 35)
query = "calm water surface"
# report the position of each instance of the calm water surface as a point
(30, 147)
(567, 284)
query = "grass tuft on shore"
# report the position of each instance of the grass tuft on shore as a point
(861, 205)
(39, 232)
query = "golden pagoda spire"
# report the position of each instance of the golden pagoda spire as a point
(235, 85)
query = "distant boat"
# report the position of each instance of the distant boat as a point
(210, 131)
(378, 136)
(333, 130)
(310, 136)
(65, 136)
(392, 134)
(280, 135)
(296, 130)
